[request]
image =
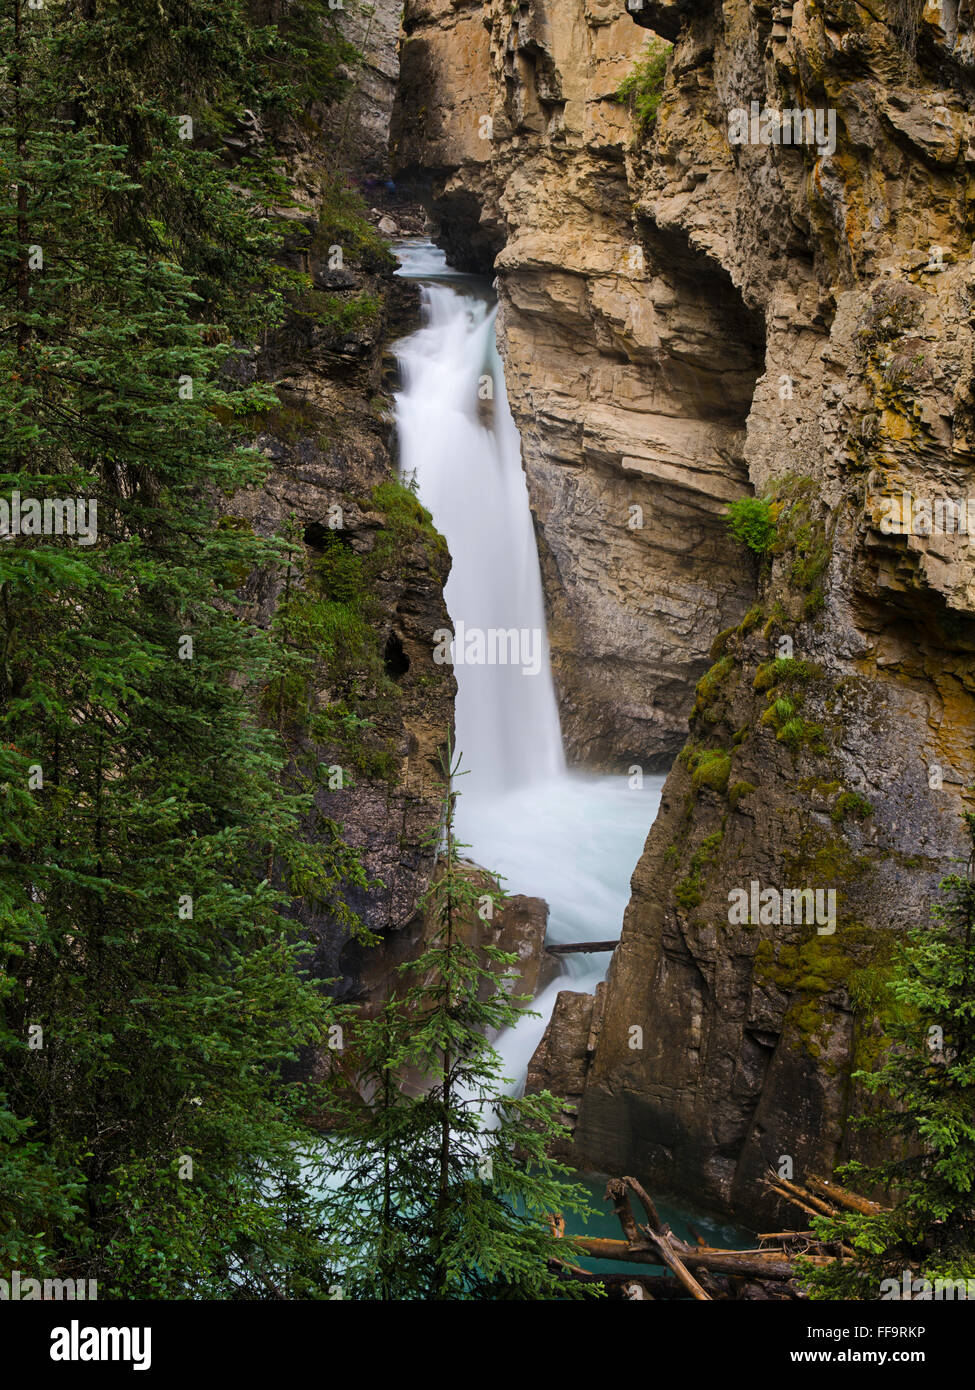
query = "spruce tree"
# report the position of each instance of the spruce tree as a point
(442, 1187)
(926, 1118)
(152, 977)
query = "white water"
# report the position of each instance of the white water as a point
(568, 838)
(471, 479)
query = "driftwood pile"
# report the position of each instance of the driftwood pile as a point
(705, 1272)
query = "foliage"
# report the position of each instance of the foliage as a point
(689, 892)
(789, 671)
(441, 1182)
(926, 1085)
(339, 315)
(751, 520)
(342, 222)
(851, 805)
(152, 863)
(642, 87)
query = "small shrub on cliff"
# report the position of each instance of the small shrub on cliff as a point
(751, 520)
(850, 805)
(643, 87)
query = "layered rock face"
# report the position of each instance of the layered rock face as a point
(630, 363)
(801, 329)
(358, 129)
(831, 744)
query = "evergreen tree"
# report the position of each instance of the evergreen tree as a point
(442, 1187)
(927, 1116)
(151, 975)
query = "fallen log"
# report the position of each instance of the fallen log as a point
(787, 1235)
(774, 1265)
(672, 1261)
(851, 1200)
(653, 1216)
(798, 1196)
(571, 947)
(616, 1191)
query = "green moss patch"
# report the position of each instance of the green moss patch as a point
(851, 806)
(689, 892)
(708, 688)
(709, 767)
(784, 670)
(737, 791)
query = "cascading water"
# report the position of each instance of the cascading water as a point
(470, 478)
(568, 838)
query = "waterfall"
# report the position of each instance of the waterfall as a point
(459, 442)
(568, 838)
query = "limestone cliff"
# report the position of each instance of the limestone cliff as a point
(797, 323)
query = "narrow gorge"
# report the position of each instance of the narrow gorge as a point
(685, 322)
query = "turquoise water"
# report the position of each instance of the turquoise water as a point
(603, 1222)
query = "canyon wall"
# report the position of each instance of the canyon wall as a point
(358, 130)
(366, 711)
(687, 321)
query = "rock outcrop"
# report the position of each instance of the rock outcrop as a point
(561, 1061)
(800, 329)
